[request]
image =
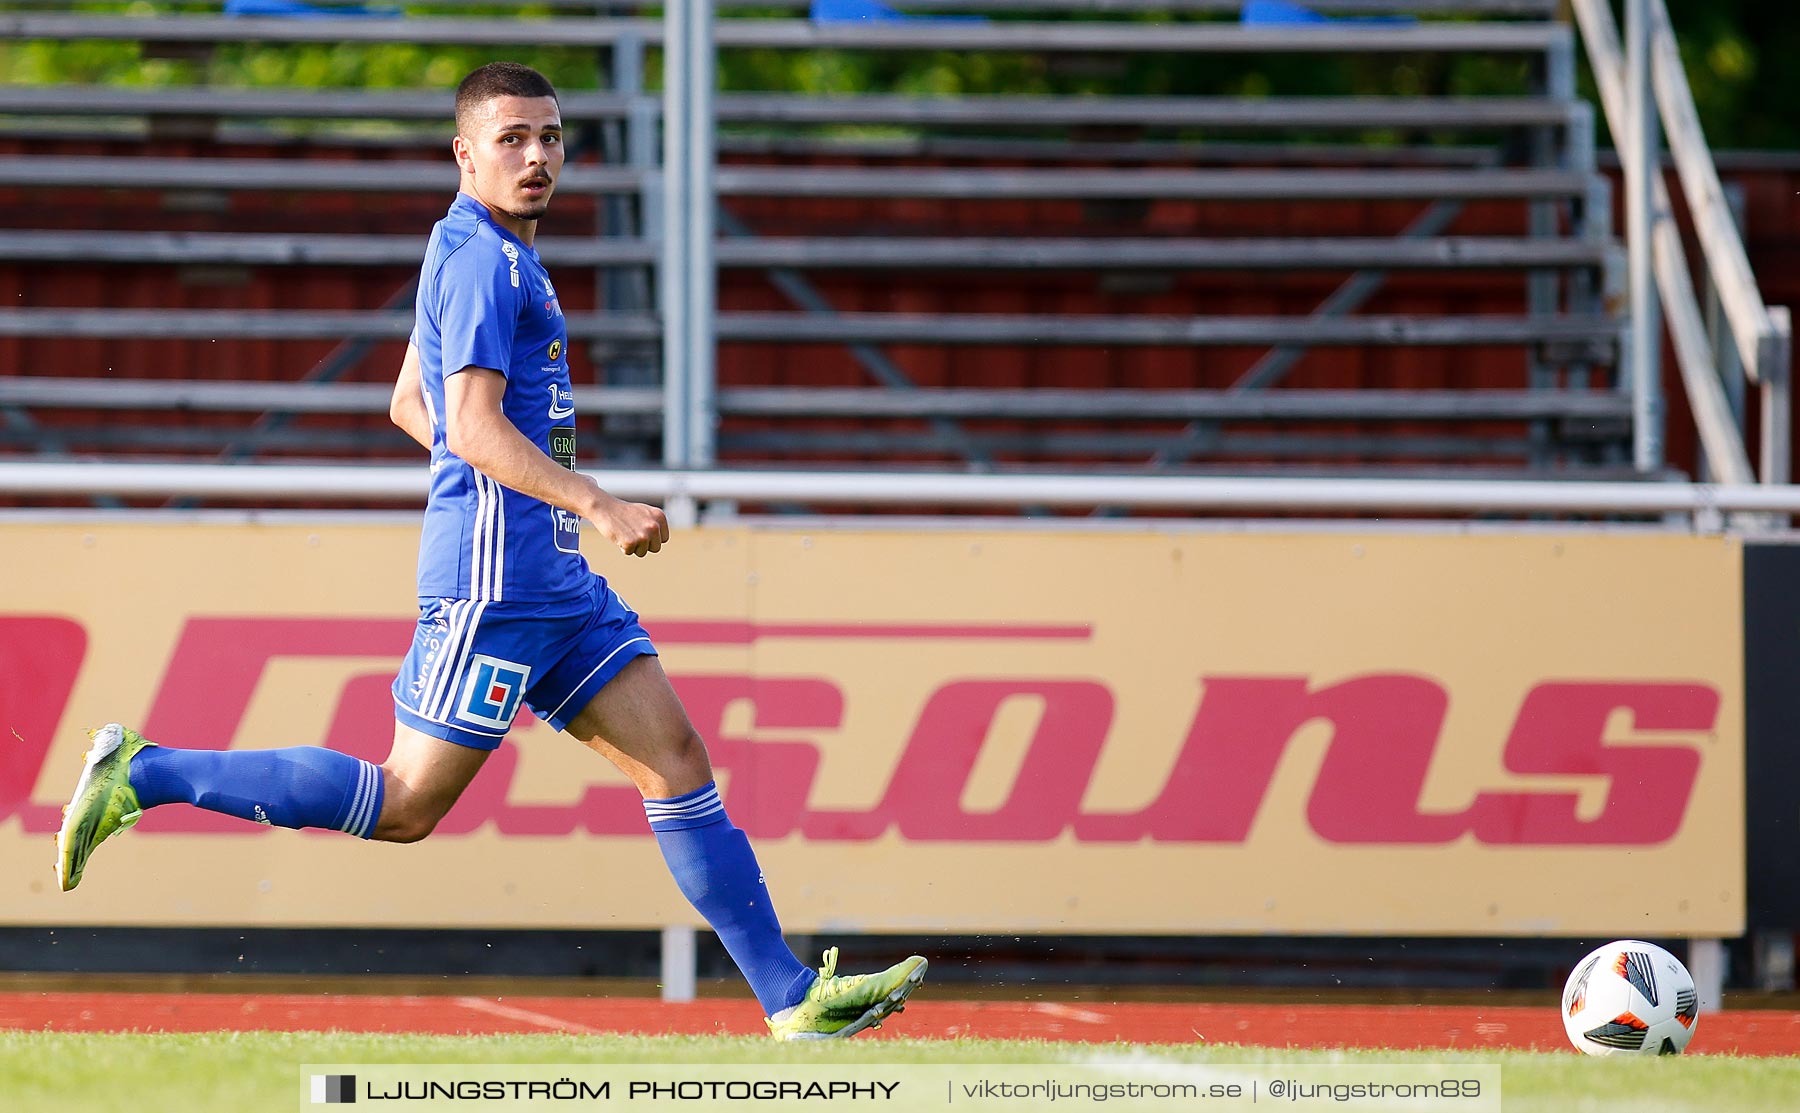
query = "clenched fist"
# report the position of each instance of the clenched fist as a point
(638, 529)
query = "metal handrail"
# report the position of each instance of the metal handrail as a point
(1591, 334)
(351, 176)
(48, 392)
(1022, 110)
(864, 253)
(1761, 333)
(1708, 504)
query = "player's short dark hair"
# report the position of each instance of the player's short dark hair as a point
(497, 79)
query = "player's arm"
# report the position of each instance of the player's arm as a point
(476, 429)
(407, 409)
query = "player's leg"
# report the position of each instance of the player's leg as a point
(455, 697)
(127, 774)
(400, 800)
(657, 747)
(422, 779)
(432, 760)
(637, 722)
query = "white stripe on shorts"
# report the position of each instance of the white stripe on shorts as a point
(451, 683)
(454, 614)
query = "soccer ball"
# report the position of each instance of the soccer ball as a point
(1630, 998)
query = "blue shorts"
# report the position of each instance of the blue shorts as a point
(473, 663)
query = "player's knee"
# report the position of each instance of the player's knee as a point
(677, 764)
(688, 753)
(406, 820)
(409, 829)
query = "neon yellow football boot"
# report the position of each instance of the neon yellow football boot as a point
(104, 803)
(838, 1006)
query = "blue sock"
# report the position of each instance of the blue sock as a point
(717, 872)
(302, 786)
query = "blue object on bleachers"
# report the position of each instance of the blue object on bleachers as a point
(874, 11)
(299, 9)
(1282, 12)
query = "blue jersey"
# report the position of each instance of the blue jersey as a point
(486, 301)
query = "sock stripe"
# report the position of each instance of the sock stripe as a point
(362, 806)
(366, 826)
(699, 804)
(372, 806)
(353, 818)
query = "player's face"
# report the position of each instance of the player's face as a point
(511, 161)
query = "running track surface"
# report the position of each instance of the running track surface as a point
(1749, 1032)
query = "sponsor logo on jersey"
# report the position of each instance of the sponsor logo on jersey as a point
(555, 351)
(512, 260)
(562, 445)
(567, 534)
(562, 401)
(492, 692)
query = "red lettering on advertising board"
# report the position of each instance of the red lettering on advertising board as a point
(1384, 730)
(925, 793)
(40, 657)
(1561, 730)
(1382, 733)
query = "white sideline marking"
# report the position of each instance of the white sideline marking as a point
(1069, 1012)
(542, 1020)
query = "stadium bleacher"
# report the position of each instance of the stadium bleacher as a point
(1445, 301)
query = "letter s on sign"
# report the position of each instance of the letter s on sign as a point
(1561, 729)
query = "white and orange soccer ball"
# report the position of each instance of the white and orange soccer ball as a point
(1630, 998)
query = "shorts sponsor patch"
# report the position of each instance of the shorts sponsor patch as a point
(492, 692)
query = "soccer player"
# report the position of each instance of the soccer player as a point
(509, 611)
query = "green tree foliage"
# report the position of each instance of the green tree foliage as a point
(1732, 51)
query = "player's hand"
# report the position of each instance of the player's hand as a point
(636, 528)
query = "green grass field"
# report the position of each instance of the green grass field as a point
(236, 1072)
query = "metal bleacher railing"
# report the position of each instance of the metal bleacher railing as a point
(1568, 338)
(1643, 94)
